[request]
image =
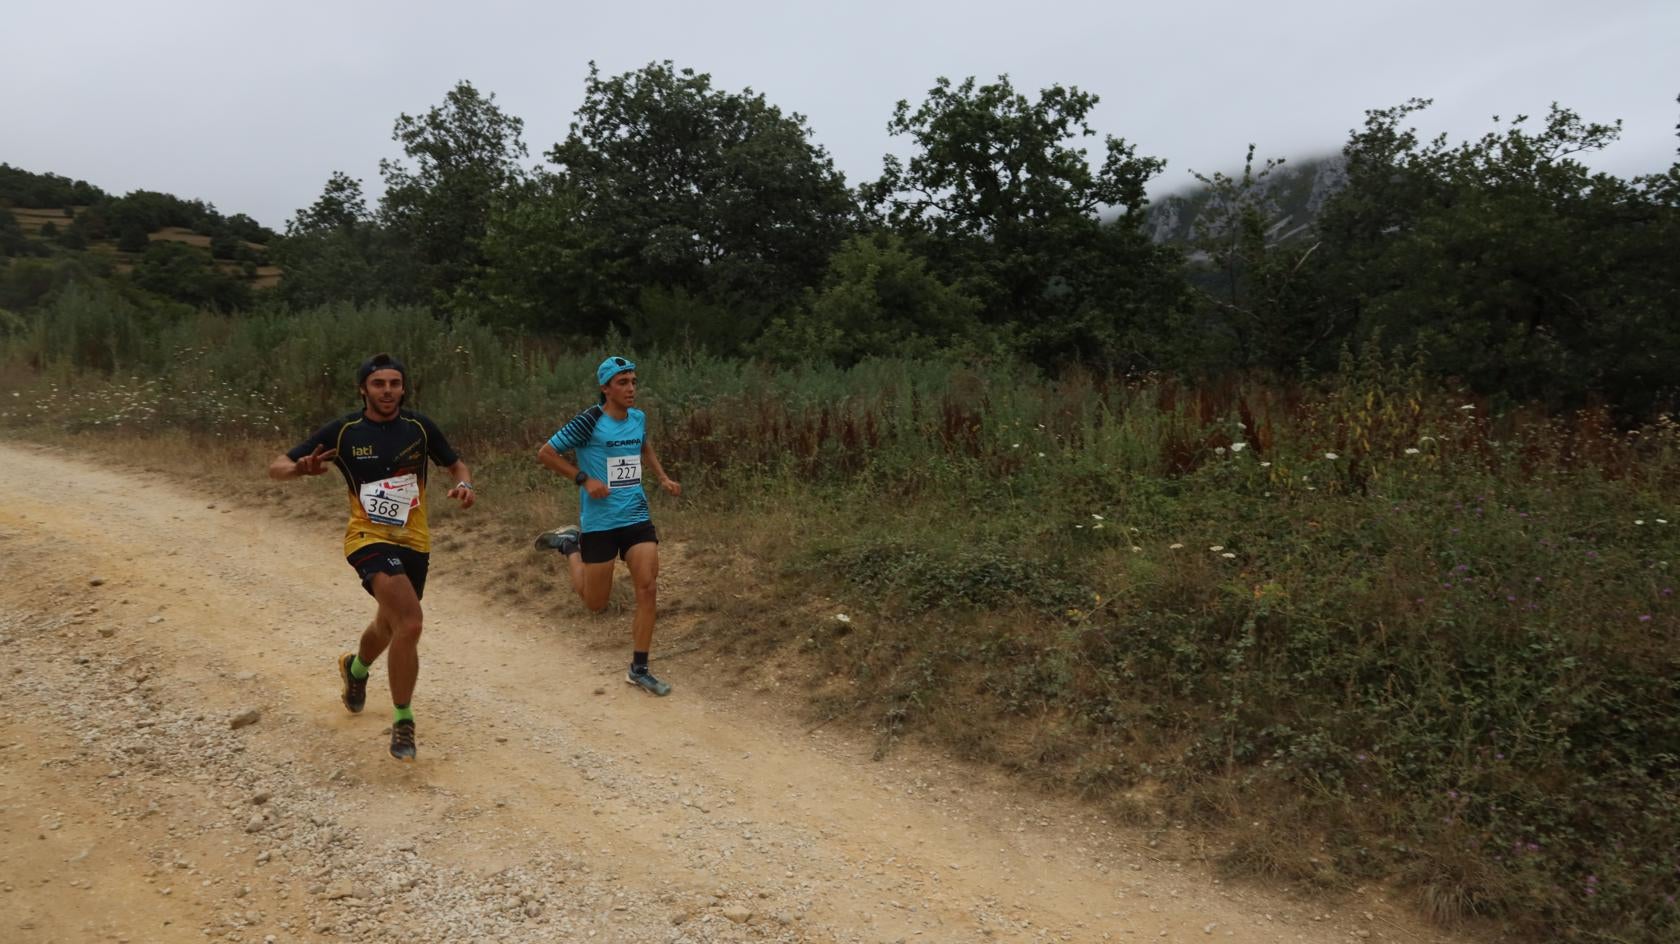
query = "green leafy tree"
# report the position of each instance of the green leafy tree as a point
(1002, 200)
(341, 206)
(245, 228)
(1505, 260)
(187, 274)
(696, 193)
(44, 191)
(541, 269)
(877, 299)
(465, 153)
(131, 237)
(12, 240)
(335, 250)
(74, 236)
(1252, 292)
(225, 245)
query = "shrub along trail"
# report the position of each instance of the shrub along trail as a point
(140, 619)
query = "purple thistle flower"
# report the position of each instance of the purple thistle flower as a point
(1645, 618)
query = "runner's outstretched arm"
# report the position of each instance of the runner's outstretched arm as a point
(651, 460)
(313, 464)
(463, 487)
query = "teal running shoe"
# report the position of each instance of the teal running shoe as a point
(564, 540)
(645, 681)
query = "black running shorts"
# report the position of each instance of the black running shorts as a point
(390, 559)
(598, 547)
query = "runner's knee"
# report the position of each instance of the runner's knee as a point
(407, 628)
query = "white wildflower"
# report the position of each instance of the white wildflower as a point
(1238, 447)
(842, 617)
(1331, 456)
(1174, 547)
(1217, 547)
(1228, 555)
(1411, 450)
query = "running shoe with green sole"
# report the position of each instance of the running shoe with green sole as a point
(564, 540)
(402, 740)
(647, 683)
(355, 689)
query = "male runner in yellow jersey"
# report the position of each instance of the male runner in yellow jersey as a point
(382, 452)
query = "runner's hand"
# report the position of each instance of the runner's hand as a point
(465, 494)
(596, 488)
(316, 462)
(671, 485)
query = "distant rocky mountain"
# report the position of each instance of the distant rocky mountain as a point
(1293, 195)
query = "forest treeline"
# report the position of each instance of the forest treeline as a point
(676, 213)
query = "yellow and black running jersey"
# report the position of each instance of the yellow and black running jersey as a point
(384, 464)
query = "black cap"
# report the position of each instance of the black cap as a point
(379, 362)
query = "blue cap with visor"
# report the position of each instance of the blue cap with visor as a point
(612, 367)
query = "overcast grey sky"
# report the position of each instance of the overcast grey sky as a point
(252, 106)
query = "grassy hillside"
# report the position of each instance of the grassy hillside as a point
(1349, 632)
(180, 249)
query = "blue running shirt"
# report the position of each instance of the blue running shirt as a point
(609, 451)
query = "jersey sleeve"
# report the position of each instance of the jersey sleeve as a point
(576, 433)
(325, 436)
(437, 445)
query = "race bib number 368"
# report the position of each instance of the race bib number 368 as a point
(624, 472)
(389, 501)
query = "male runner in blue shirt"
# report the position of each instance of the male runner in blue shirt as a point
(612, 447)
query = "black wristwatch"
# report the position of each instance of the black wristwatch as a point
(581, 477)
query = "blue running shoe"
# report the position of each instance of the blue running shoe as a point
(564, 540)
(645, 681)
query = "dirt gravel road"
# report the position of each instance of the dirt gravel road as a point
(139, 618)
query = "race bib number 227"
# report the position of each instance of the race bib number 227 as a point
(624, 472)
